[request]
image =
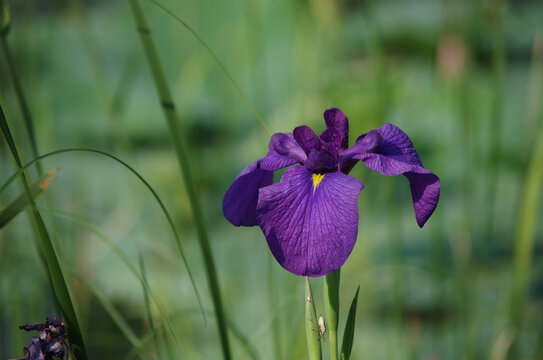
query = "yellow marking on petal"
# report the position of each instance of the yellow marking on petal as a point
(317, 178)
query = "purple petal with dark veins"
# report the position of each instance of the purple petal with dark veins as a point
(396, 155)
(239, 202)
(307, 138)
(284, 144)
(336, 119)
(311, 230)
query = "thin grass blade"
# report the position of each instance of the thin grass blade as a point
(348, 335)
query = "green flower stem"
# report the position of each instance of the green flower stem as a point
(168, 108)
(311, 325)
(331, 309)
(56, 276)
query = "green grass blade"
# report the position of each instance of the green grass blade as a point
(21, 202)
(331, 309)
(219, 63)
(348, 335)
(133, 171)
(170, 114)
(46, 246)
(311, 329)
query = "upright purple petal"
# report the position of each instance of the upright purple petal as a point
(336, 119)
(306, 137)
(394, 156)
(331, 141)
(310, 221)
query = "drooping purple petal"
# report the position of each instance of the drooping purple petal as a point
(394, 156)
(336, 119)
(239, 202)
(306, 137)
(310, 226)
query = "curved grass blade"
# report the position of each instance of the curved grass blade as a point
(170, 114)
(311, 331)
(219, 63)
(331, 309)
(348, 335)
(21, 202)
(54, 272)
(147, 185)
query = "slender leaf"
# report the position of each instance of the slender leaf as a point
(348, 335)
(311, 325)
(21, 202)
(331, 309)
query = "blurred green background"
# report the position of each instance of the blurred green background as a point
(464, 79)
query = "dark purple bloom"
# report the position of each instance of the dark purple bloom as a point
(50, 343)
(310, 218)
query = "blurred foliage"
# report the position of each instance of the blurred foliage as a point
(430, 67)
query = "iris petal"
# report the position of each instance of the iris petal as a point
(336, 119)
(310, 230)
(396, 155)
(306, 137)
(239, 202)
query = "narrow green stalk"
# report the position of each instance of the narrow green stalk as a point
(170, 114)
(223, 68)
(331, 309)
(311, 325)
(46, 246)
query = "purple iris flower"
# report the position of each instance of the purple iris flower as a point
(310, 218)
